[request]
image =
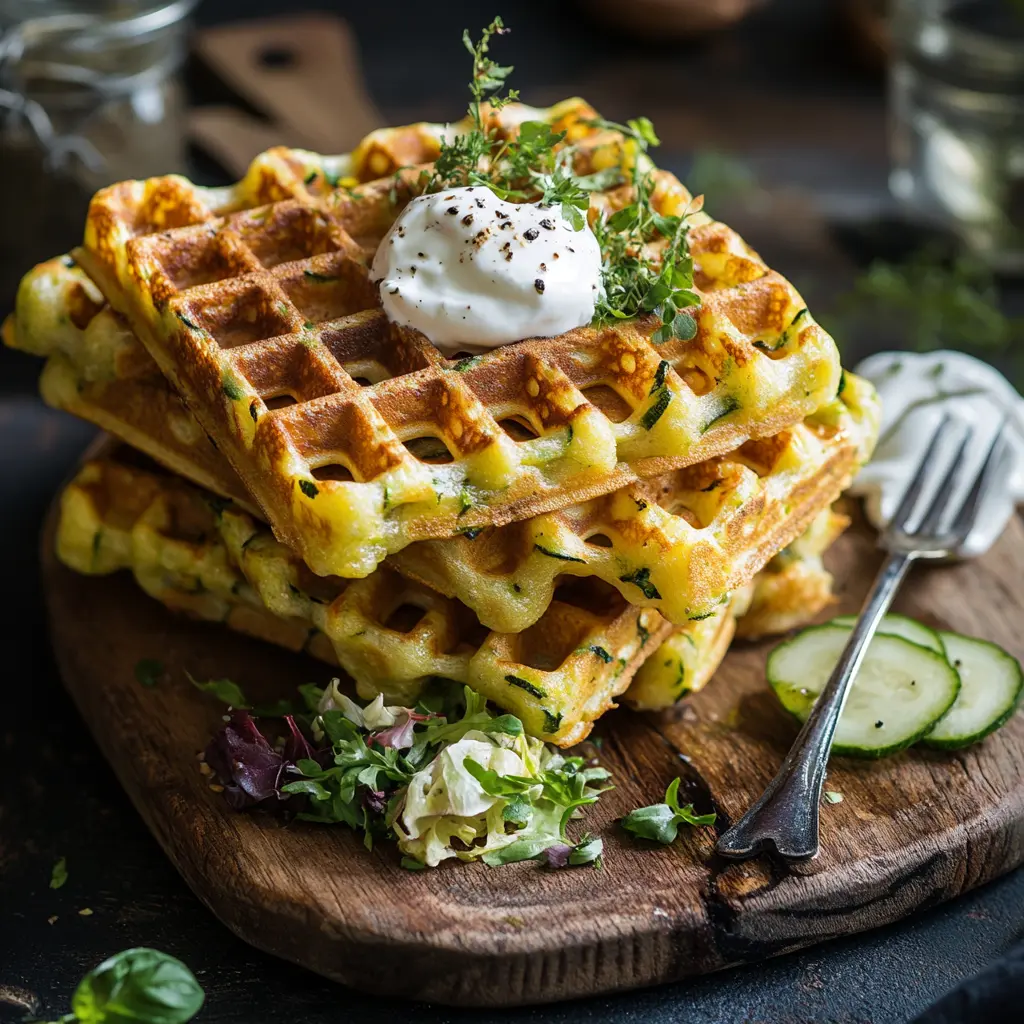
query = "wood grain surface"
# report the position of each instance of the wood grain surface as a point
(910, 832)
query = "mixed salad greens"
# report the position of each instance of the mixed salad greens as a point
(450, 778)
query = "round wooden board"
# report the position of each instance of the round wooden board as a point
(911, 831)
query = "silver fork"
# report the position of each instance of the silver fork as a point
(786, 815)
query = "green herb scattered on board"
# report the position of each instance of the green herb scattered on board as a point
(148, 671)
(660, 822)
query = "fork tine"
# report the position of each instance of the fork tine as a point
(913, 491)
(940, 500)
(965, 518)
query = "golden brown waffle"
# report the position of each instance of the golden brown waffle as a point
(791, 590)
(676, 543)
(390, 634)
(258, 294)
(97, 370)
(202, 557)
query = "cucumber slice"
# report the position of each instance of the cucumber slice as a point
(900, 625)
(991, 686)
(900, 693)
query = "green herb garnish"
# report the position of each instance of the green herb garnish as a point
(225, 690)
(636, 282)
(142, 986)
(148, 671)
(308, 488)
(59, 874)
(538, 165)
(661, 822)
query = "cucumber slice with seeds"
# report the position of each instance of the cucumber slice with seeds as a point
(900, 693)
(900, 625)
(991, 685)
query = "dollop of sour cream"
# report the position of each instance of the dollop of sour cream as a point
(917, 390)
(472, 271)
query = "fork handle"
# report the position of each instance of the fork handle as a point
(786, 815)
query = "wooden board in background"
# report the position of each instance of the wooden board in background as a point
(911, 831)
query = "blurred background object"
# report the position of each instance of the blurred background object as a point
(665, 20)
(956, 106)
(301, 73)
(868, 23)
(89, 95)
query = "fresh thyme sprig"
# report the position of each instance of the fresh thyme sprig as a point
(488, 75)
(635, 282)
(537, 165)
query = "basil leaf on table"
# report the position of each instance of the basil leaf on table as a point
(138, 986)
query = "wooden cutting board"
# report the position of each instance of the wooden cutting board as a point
(910, 831)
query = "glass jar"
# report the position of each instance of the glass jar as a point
(89, 95)
(957, 120)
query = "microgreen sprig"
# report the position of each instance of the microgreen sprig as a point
(646, 262)
(635, 280)
(488, 75)
(661, 822)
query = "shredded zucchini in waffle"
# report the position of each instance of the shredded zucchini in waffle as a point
(675, 543)
(202, 556)
(256, 303)
(206, 557)
(789, 592)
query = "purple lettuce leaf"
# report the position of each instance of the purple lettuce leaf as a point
(399, 735)
(556, 856)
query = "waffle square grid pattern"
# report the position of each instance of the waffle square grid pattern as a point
(678, 542)
(205, 558)
(256, 303)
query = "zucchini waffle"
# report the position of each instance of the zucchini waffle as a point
(256, 303)
(204, 557)
(676, 543)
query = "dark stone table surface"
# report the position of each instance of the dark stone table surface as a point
(784, 92)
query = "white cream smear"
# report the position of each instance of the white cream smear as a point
(917, 390)
(472, 271)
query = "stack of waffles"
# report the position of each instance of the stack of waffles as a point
(557, 523)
